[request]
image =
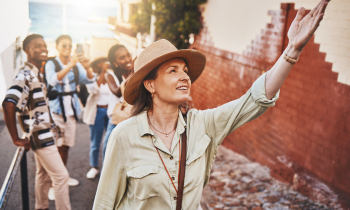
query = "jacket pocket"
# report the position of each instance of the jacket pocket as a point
(200, 148)
(142, 179)
(196, 164)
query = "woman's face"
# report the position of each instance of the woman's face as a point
(123, 59)
(64, 47)
(172, 84)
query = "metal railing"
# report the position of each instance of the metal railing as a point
(18, 161)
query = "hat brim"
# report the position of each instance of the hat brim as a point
(194, 59)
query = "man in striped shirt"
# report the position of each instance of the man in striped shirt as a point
(27, 97)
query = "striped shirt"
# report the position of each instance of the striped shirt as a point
(28, 93)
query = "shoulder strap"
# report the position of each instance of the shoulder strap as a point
(182, 171)
(57, 68)
(57, 65)
(76, 74)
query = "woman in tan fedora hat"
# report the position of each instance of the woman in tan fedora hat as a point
(145, 161)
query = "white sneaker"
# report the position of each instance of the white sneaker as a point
(73, 182)
(51, 194)
(92, 173)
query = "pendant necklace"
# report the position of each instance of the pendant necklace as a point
(166, 134)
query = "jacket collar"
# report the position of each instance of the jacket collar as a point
(32, 67)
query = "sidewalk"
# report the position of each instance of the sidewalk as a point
(239, 184)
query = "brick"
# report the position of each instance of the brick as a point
(340, 160)
(309, 120)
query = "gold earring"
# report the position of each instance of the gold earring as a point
(152, 94)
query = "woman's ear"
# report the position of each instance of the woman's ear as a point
(149, 85)
(115, 64)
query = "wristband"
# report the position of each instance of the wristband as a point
(288, 59)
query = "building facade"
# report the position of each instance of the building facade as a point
(307, 133)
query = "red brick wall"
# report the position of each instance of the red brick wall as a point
(310, 123)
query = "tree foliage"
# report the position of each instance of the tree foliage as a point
(175, 19)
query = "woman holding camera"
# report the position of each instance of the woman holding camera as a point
(149, 153)
(95, 112)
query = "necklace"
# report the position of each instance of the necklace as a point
(166, 134)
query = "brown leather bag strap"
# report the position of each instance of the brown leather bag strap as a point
(182, 171)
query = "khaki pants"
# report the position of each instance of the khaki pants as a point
(68, 129)
(49, 167)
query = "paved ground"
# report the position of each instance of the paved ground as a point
(239, 184)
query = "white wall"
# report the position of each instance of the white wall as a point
(14, 22)
(233, 24)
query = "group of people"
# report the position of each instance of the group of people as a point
(45, 93)
(160, 157)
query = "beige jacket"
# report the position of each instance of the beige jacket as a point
(133, 175)
(90, 109)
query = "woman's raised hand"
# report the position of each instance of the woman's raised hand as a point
(302, 28)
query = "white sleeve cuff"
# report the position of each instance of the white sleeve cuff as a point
(259, 94)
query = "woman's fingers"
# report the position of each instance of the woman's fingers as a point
(300, 14)
(312, 12)
(320, 9)
(316, 23)
(319, 17)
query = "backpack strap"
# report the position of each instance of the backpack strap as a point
(76, 74)
(57, 65)
(57, 69)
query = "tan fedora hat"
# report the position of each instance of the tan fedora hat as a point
(156, 54)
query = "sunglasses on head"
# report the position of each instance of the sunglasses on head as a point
(65, 46)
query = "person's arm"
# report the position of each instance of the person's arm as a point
(93, 88)
(223, 120)
(83, 75)
(16, 99)
(102, 78)
(51, 75)
(113, 181)
(115, 89)
(61, 74)
(10, 121)
(300, 32)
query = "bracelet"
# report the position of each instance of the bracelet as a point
(288, 59)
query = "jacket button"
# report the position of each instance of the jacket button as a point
(171, 157)
(174, 198)
(173, 178)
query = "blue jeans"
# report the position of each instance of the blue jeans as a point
(96, 132)
(109, 130)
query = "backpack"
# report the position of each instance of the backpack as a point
(53, 94)
(83, 93)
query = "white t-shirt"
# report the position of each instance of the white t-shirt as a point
(105, 94)
(67, 100)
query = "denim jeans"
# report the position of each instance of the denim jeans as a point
(96, 132)
(109, 130)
